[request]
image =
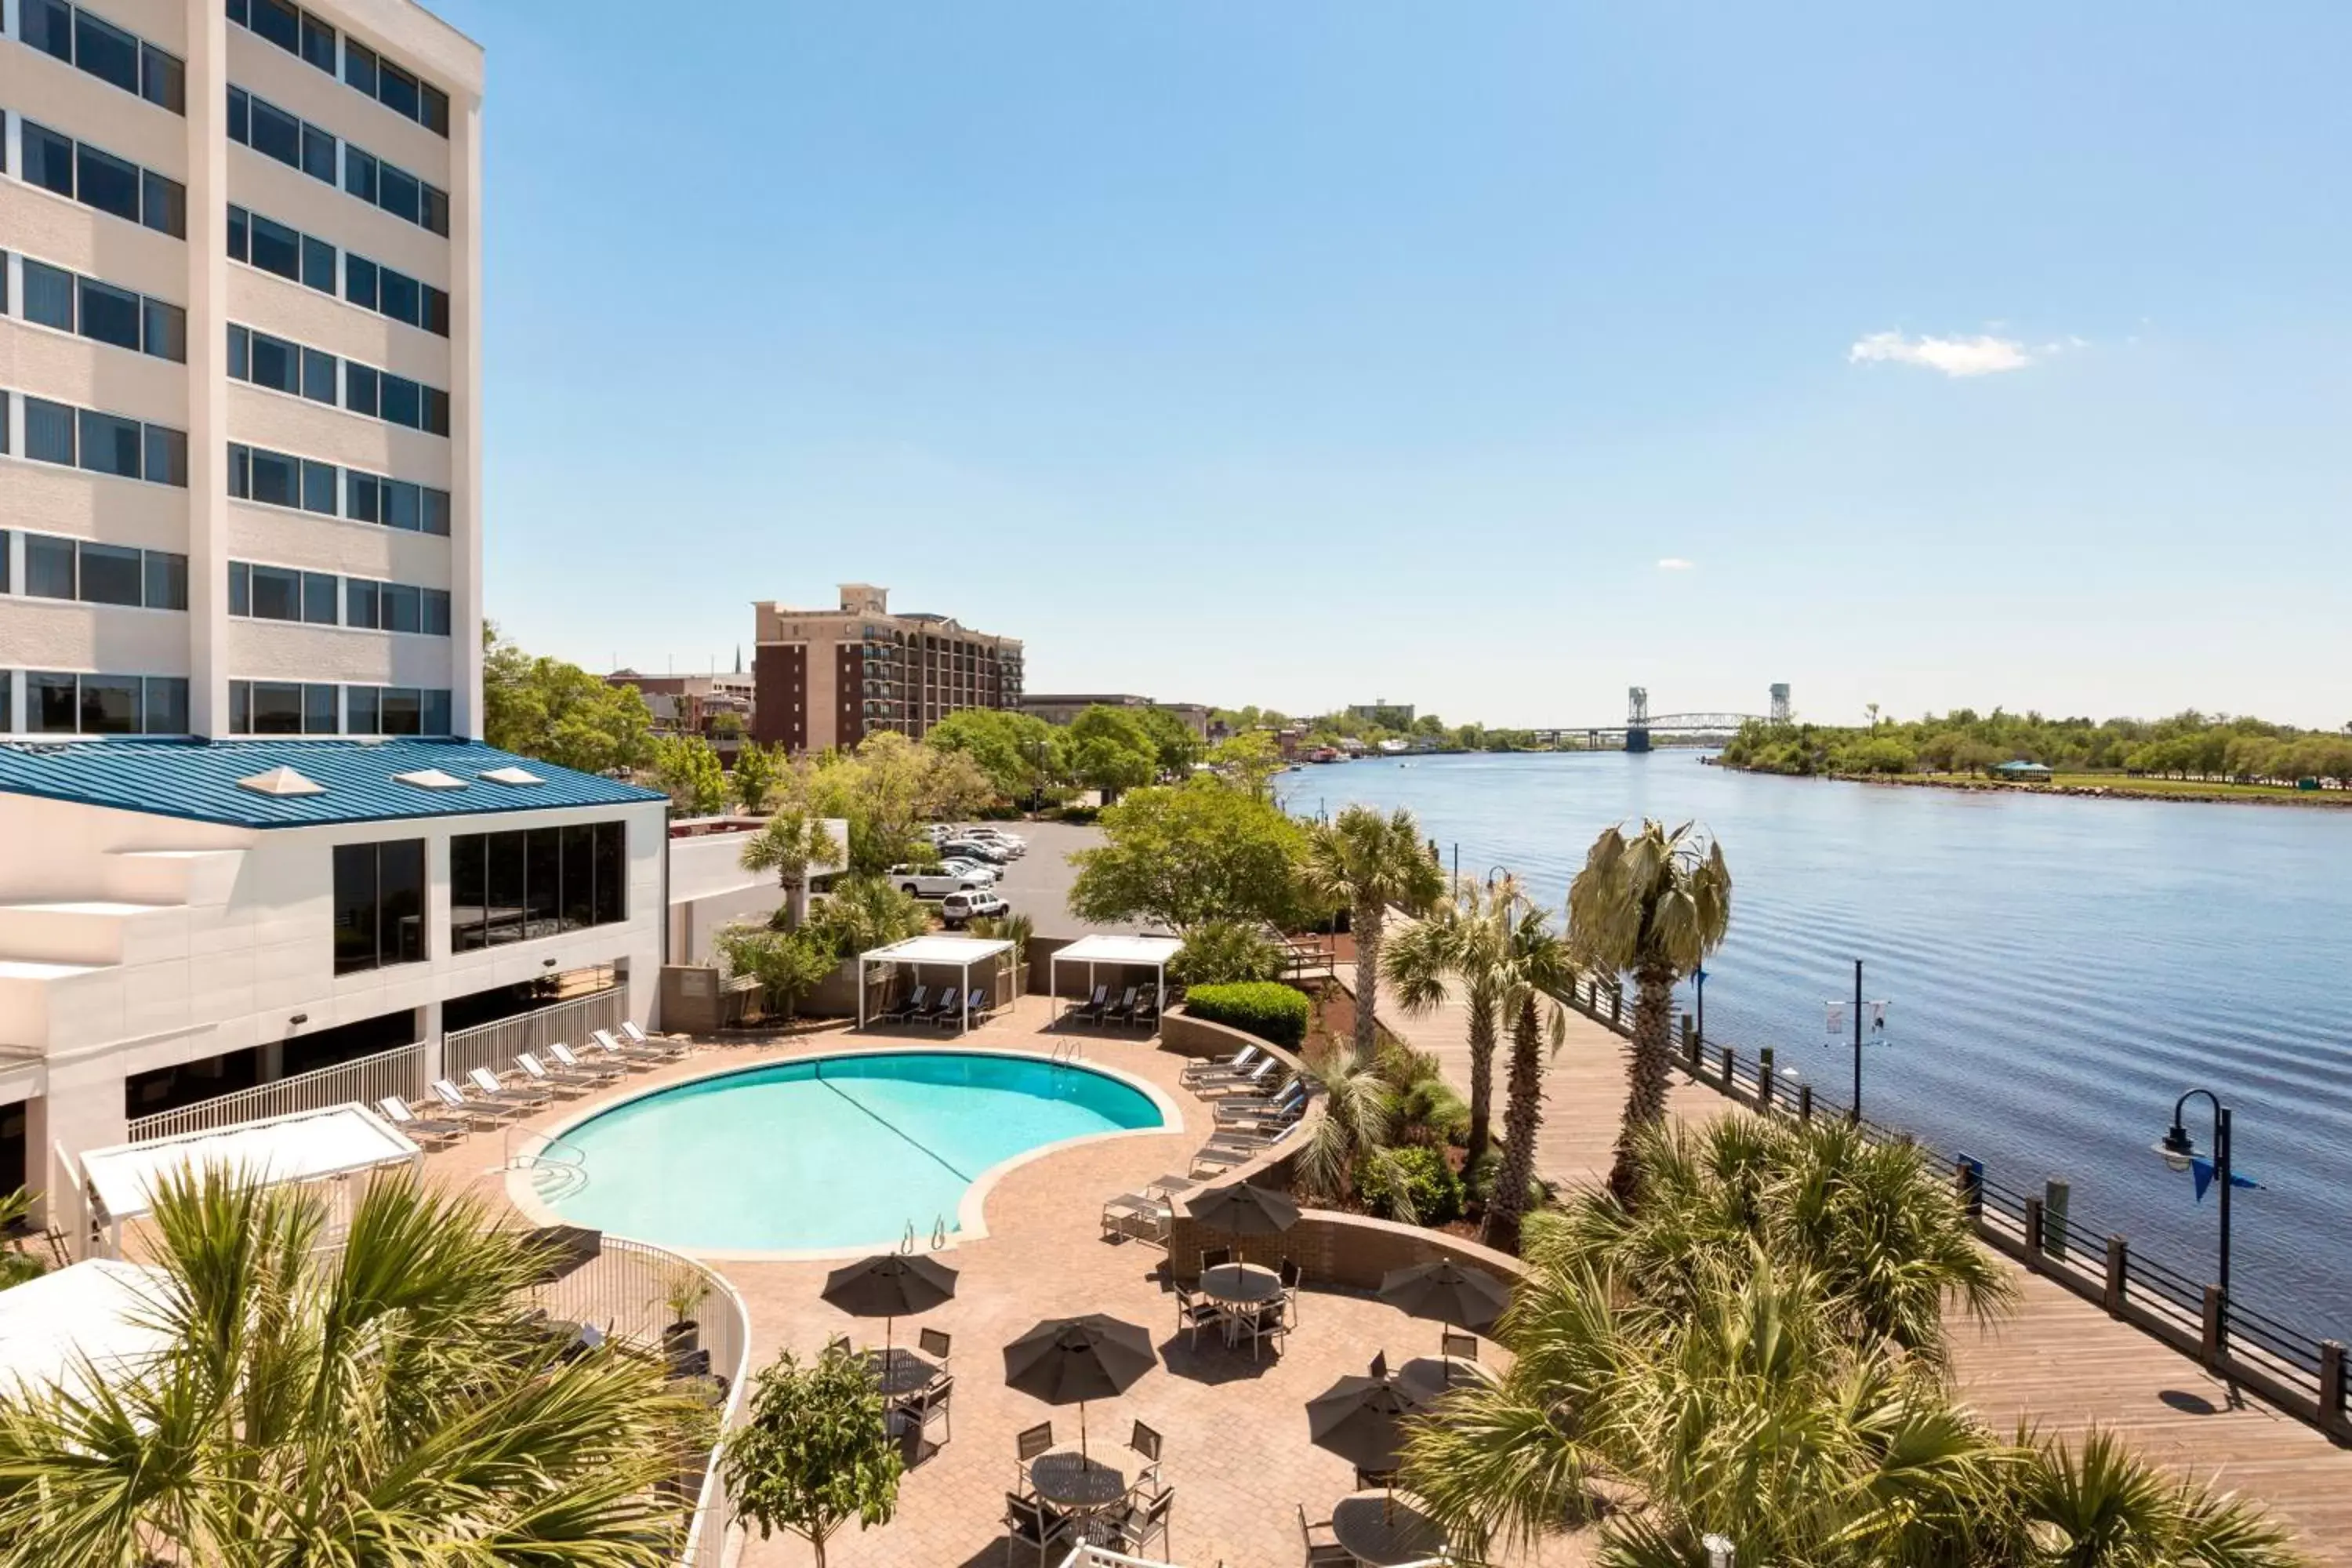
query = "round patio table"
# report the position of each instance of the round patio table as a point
(1077, 1484)
(1240, 1289)
(1385, 1528)
(899, 1371)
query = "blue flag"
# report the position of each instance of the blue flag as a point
(2201, 1171)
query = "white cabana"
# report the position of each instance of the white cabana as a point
(94, 1317)
(1090, 951)
(962, 951)
(339, 1141)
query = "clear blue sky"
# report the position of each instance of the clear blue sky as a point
(1306, 353)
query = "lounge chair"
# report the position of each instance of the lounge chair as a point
(555, 1080)
(1208, 1069)
(1284, 1102)
(911, 1006)
(481, 1112)
(605, 1071)
(948, 1010)
(1139, 1216)
(1253, 1082)
(1125, 1012)
(620, 1050)
(1092, 1009)
(1147, 1010)
(486, 1083)
(424, 1129)
(637, 1039)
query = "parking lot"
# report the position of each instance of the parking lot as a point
(1038, 883)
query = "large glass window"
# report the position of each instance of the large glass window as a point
(110, 445)
(522, 885)
(379, 904)
(49, 295)
(111, 574)
(106, 52)
(48, 567)
(104, 443)
(49, 431)
(58, 703)
(110, 704)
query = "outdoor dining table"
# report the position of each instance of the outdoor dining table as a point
(1240, 1289)
(899, 1371)
(1077, 1484)
(1385, 1528)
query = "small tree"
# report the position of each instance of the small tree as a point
(789, 964)
(757, 770)
(815, 1451)
(789, 844)
(689, 770)
(1222, 952)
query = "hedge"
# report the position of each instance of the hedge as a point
(1425, 1176)
(1264, 1009)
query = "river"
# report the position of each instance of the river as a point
(2058, 969)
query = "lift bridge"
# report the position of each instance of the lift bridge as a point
(1641, 724)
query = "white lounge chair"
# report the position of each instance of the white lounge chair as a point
(1208, 1069)
(539, 1074)
(486, 1113)
(648, 1055)
(1256, 1081)
(606, 1071)
(425, 1129)
(486, 1083)
(668, 1050)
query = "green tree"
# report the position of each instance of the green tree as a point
(688, 769)
(1248, 761)
(1227, 952)
(1531, 968)
(1112, 751)
(1462, 942)
(394, 1398)
(789, 844)
(1652, 904)
(1182, 854)
(1369, 861)
(560, 713)
(1175, 745)
(1022, 755)
(1353, 1133)
(17, 1266)
(816, 1450)
(885, 787)
(789, 964)
(758, 771)
(865, 912)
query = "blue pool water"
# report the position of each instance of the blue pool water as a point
(837, 1152)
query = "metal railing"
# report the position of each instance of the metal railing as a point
(367, 1080)
(626, 1291)
(496, 1045)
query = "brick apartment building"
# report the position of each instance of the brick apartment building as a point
(832, 677)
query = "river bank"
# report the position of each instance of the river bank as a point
(2089, 786)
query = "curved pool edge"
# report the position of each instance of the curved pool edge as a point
(972, 1220)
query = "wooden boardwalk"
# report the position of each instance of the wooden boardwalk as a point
(2059, 1362)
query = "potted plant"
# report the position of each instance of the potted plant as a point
(682, 1291)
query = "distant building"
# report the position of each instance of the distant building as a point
(693, 704)
(831, 677)
(1060, 708)
(1387, 715)
(2023, 769)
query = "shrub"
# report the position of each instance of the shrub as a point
(1226, 953)
(1432, 1192)
(1260, 1007)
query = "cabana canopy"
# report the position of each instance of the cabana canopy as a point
(95, 1314)
(301, 1146)
(1154, 951)
(962, 951)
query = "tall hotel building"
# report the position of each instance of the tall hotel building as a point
(832, 677)
(249, 828)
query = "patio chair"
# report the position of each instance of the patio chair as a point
(486, 1084)
(482, 1112)
(935, 1344)
(1323, 1548)
(909, 1006)
(1139, 1217)
(1194, 1312)
(668, 1050)
(620, 1050)
(1032, 1444)
(1135, 1528)
(434, 1130)
(1092, 1009)
(934, 1399)
(1145, 1443)
(1215, 1257)
(1147, 1010)
(1212, 1159)
(948, 1009)
(554, 1081)
(1287, 1099)
(1289, 1273)
(1123, 1013)
(1456, 1346)
(1266, 1323)
(1030, 1525)
(1205, 1069)
(605, 1071)
(1253, 1082)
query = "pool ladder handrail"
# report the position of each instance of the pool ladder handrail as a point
(1065, 1052)
(536, 1157)
(938, 1233)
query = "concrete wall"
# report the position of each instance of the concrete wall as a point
(708, 888)
(1339, 1251)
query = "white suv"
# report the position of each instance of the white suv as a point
(958, 908)
(932, 881)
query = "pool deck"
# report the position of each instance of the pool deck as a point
(1236, 1447)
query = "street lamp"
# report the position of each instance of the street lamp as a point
(1698, 982)
(1877, 1011)
(2178, 1150)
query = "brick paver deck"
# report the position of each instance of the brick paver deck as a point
(2059, 1362)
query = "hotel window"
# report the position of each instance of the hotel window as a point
(395, 294)
(290, 27)
(395, 399)
(269, 245)
(100, 180)
(106, 52)
(264, 360)
(274, 134)
(518, 886)
(395, 503)
(104, 573)
(396, 189)
(104, 443)
(379, 904)
(103, 313)
(62, 703)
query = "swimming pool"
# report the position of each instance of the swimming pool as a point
(831, 1154)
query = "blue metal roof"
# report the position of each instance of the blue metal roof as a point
(197, 780)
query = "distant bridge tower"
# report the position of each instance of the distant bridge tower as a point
(1780, 703)
(1637, 718)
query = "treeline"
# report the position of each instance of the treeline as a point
(2209, 747)
(1426, 730)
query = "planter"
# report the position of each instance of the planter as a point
(682, 1338)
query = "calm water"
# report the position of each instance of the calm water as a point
(2058, 971)
(840, 1151)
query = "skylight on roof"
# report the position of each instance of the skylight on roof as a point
(281, 782)
(430, 778)
(511, 775)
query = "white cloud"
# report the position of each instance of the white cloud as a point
(1676, 564)
(1981, 355)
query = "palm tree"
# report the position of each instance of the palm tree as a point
(1464, 941)
(1359, 1109)
(1653, 904)
(388, 1400)
(1531, 968)
(1368, 861)
(790, 843)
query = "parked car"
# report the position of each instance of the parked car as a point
(958, 908)
(984, 875)
(1011, 842)
(974, 849)
(930, 881)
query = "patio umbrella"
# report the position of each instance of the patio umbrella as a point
(1457, 1297)
(889, 1285)
(1361, 1419)
(562, 1249)
(1244, 1210)
(1068, 1361)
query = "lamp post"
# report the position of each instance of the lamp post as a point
(1698, 984)
(1877, 1011)
(2179, 1152)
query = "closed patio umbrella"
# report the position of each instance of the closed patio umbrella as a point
(889, 1285)
(1244, 1210)
(1068, 1361)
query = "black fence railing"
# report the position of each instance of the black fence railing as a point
(2297, 1371)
